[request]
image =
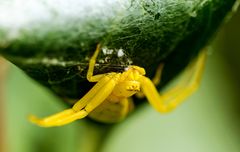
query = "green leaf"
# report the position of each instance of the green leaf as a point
(52, 42)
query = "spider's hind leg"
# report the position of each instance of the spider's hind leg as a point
(169, 100)
(189, 83)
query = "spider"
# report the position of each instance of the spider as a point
(108, 100)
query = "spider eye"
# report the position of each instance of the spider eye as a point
(135, 87)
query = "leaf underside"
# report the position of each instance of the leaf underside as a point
(53, 43)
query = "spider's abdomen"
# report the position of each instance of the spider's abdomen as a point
(111, 111)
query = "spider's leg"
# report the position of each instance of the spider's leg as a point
(97, 99)
(103, 94)
(92, 99)
(193, 76)
(59, 119)
(92, 62)
(156, 79)
(103, 77)
(77, 106)
(172, 98)
(83, 101)
(87, 97)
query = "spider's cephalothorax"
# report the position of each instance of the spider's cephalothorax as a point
(128, 83)
(108, 100)
(116, 106)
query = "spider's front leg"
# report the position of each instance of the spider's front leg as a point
(156, 79)
(92, 99)
(174, 97)
(104, 87)
(90, 76)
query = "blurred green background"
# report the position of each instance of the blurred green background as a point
(209, 121)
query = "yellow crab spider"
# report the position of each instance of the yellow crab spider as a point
(108, 100)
